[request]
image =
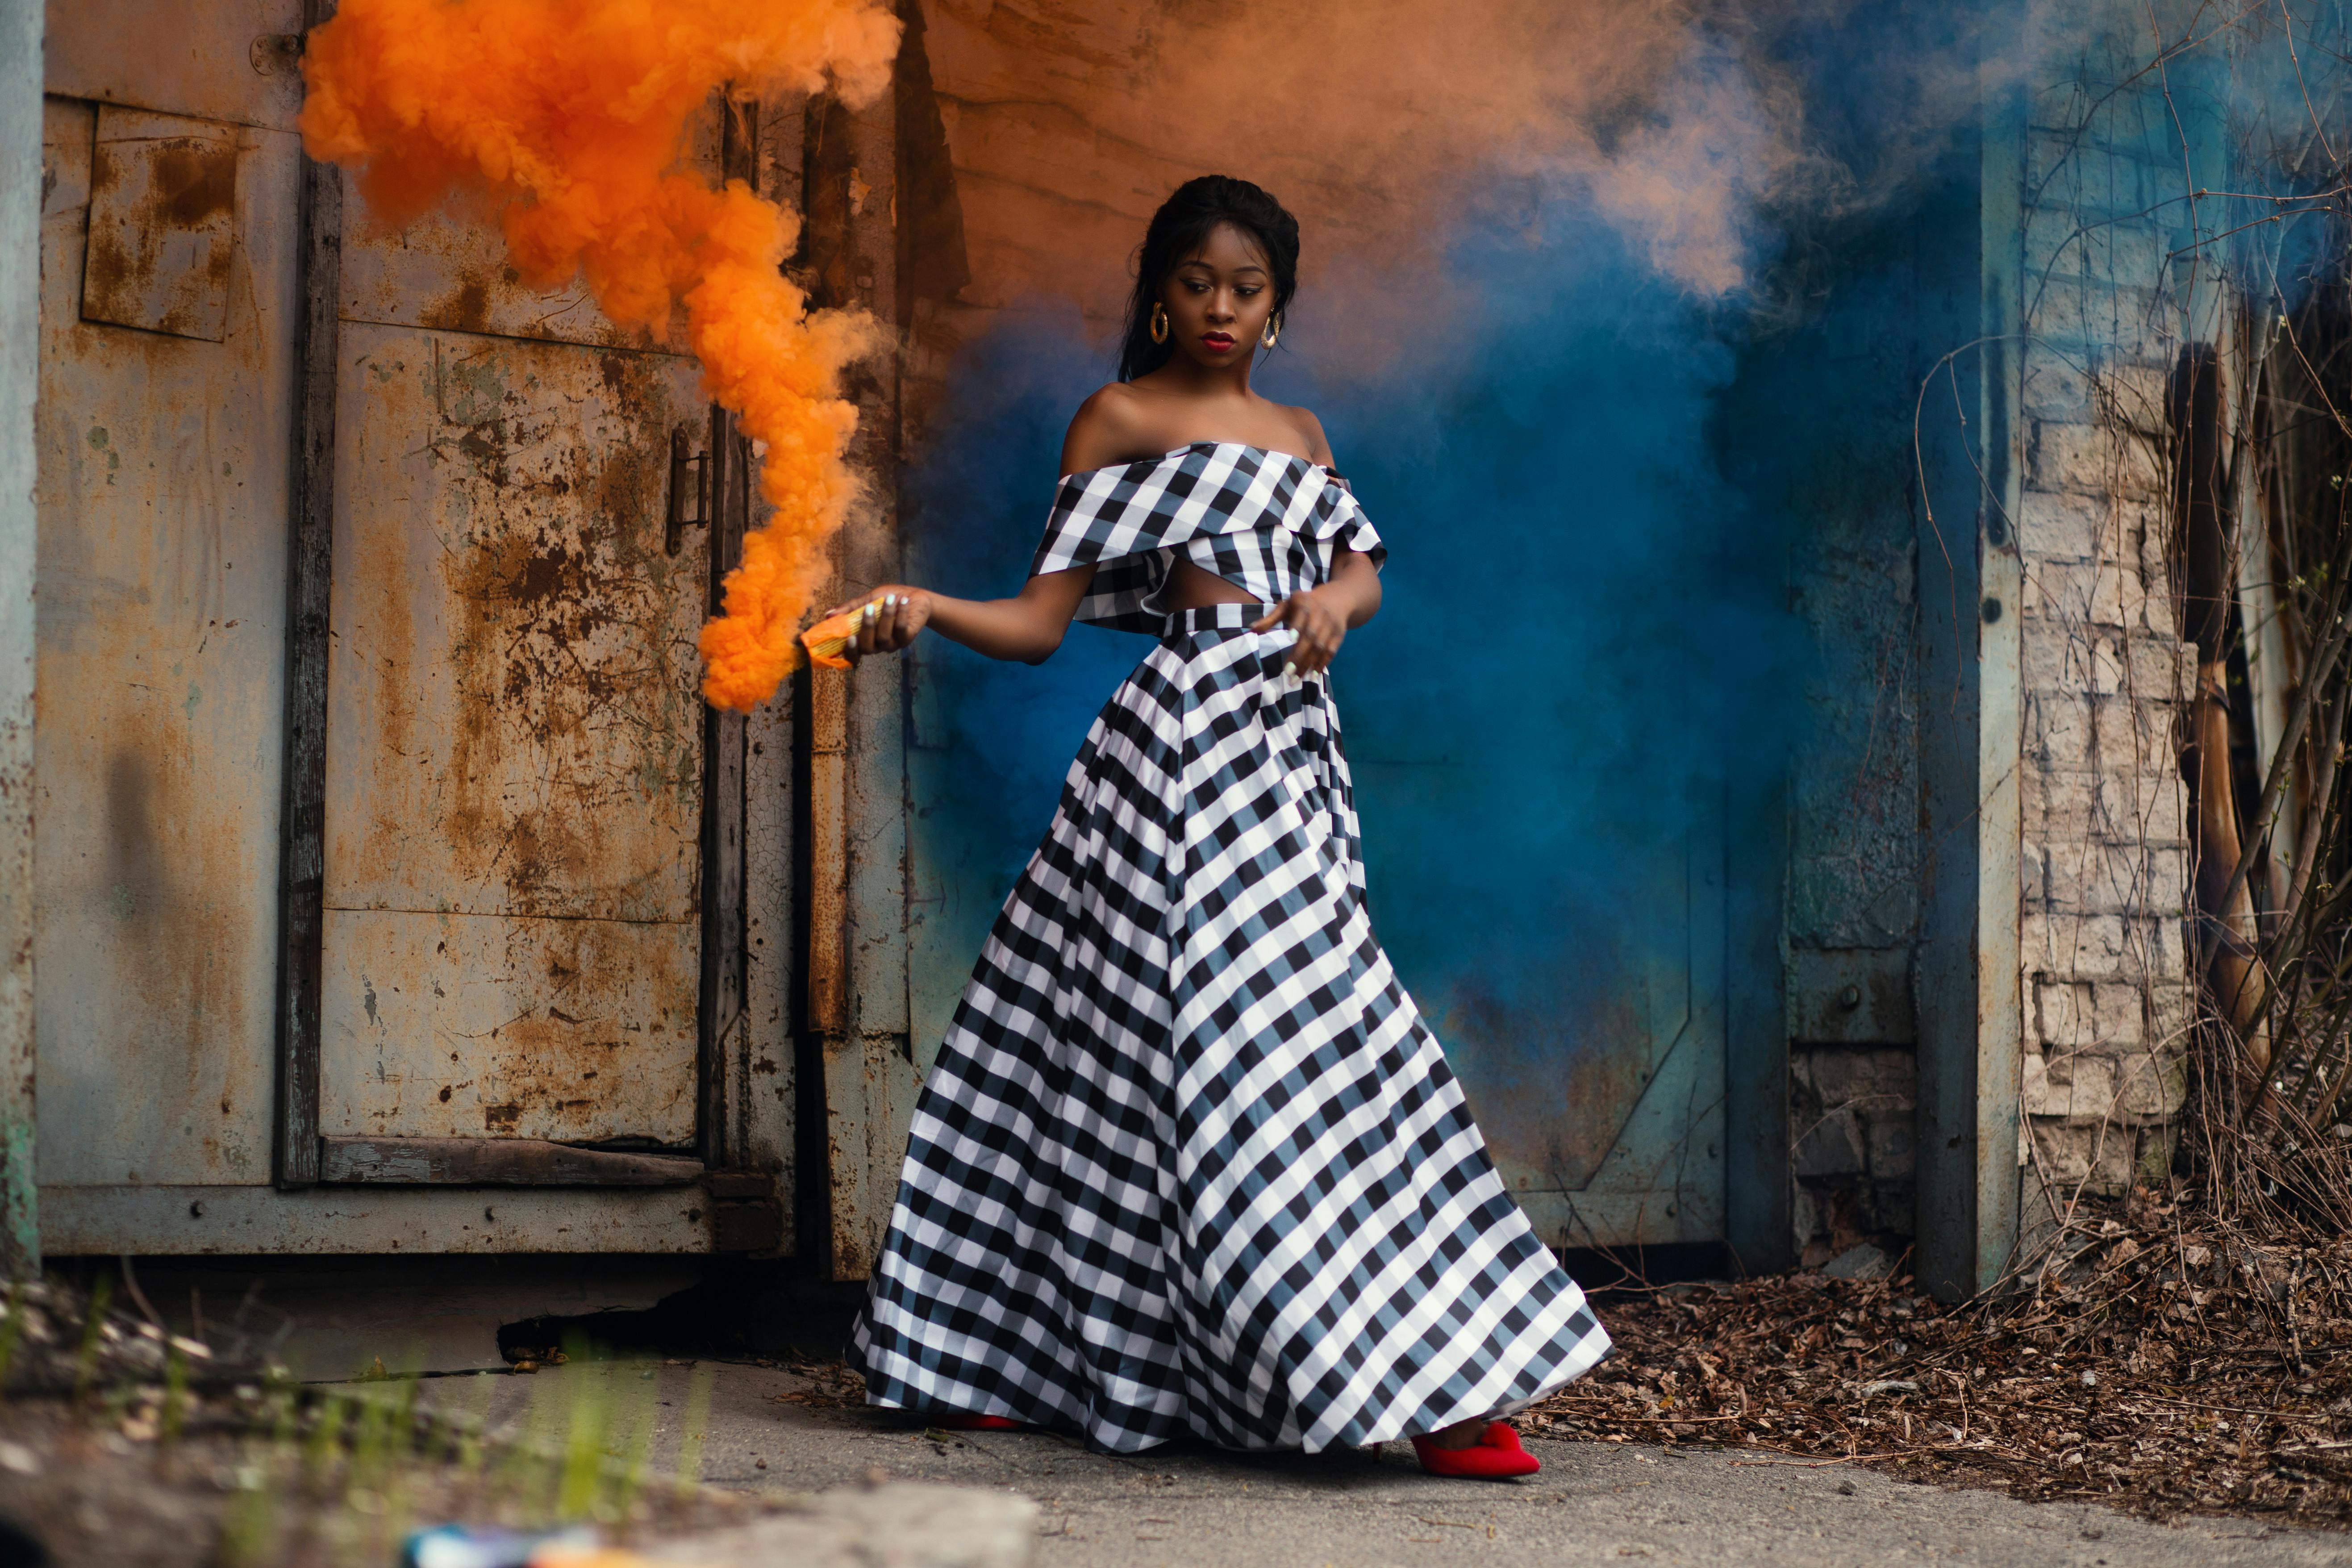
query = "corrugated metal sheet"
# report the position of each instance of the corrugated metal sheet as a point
(514, 773)
(162, 606)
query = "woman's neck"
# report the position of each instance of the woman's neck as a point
(1181, 377)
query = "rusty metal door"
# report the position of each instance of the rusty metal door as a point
(368, 743)
(516, 944)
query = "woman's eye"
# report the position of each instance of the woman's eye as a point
(1196, 286)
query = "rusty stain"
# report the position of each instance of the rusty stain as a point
(448, 270)
(560, 740)
(465, 309)
(497, 1048)
(162, 216)
(193, 181)
(515, 774)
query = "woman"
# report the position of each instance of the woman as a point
(1190, 1161)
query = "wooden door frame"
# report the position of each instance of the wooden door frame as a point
(311, 534)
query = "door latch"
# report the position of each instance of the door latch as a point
(690, 495)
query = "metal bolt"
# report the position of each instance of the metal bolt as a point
(275, 54)
(1850, 998)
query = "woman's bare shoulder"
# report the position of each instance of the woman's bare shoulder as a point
(1310, 433)
(1112, 426)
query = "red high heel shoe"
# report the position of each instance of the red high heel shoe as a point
(963, 1421)
(1496, 1456)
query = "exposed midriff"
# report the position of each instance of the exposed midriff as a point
(1191, 588)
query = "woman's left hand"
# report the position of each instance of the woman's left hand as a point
(1321, 629)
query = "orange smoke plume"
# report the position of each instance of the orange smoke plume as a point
(572, 115)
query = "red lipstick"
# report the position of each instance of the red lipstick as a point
(1217, 343)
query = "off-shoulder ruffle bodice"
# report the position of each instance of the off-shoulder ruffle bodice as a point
(1267, 522)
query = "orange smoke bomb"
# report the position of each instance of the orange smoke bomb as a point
(827, 639)
(571, 116)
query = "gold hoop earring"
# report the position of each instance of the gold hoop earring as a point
(1273, 334)
(1159, 323)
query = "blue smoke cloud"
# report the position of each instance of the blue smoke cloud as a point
(1543, 719)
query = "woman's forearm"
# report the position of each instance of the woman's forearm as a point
(1017, 628)
(1354, 590)
(1028, 626)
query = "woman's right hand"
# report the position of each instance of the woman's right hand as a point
(893, 613)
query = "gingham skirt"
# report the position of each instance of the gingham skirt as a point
(1190, 1161)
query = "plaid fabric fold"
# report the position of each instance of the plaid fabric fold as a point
(1266, 521)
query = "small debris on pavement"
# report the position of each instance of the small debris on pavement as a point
(2159, 1362)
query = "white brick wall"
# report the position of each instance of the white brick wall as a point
(2104, 878)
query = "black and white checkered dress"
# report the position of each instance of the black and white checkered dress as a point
(1190, 1161)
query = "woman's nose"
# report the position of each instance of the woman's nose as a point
(1221, 308)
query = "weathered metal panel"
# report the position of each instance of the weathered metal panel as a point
(498, 1163)
(163, 209)
(765, 1077)
(719, 1016)
(224, 59)
(451, 1025)
(515, 709)
(1554, 1120)
(448, 269)
(870, 1086)
(108, 1221)
(512, 738)
(828, 900)
(1623, 1142)
(162, 605)
(20, 339)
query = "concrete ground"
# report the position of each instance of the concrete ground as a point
(1199, 1508)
